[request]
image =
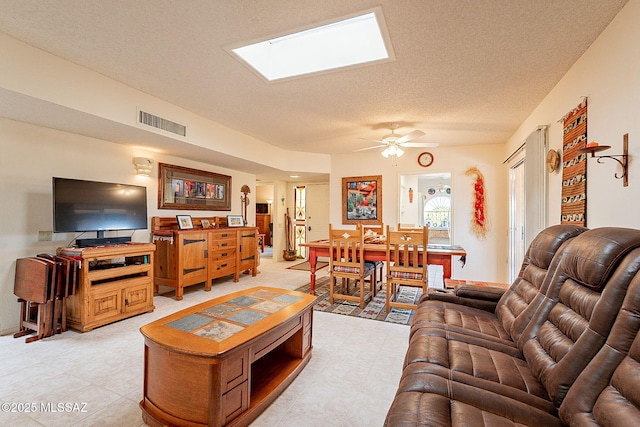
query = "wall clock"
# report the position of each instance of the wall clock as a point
(425, 159)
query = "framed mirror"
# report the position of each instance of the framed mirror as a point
(426, 199)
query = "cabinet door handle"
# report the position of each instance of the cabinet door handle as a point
(190, 241)
(224, 245)
(191, 270)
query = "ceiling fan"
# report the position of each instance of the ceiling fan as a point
(393, 143)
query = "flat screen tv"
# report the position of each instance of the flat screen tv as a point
(80, 206)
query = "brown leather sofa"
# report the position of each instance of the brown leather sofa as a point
(576, 289)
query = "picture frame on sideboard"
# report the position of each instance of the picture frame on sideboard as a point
(184, 222)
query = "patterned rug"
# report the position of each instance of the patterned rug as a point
(373, 310)
(305, 266)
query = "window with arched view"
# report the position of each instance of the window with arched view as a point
(437, 215)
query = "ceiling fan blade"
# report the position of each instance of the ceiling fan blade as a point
(373, 140)
(411, 135)
(421, 144)
(369, 148)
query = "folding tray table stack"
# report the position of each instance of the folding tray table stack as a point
(42, 285)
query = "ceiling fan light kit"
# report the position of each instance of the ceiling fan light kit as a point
(392, 150)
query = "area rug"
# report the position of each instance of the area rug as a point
(573, 206)
(305, 266)
(375, 309)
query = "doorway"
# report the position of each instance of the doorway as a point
(425, 199)
(311, 215)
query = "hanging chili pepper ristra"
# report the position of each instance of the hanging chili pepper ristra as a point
(479, 217)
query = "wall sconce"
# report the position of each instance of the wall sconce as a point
(143, 165)
(282, 200)
(593, 148)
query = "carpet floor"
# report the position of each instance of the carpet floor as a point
(375, 309)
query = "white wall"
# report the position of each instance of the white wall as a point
(608, 74)
(29, 72)
(487, 259)
(31, 155)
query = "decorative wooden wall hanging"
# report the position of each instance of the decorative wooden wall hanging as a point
(479, 217)
(573, 207)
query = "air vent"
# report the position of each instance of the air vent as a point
(163, 124)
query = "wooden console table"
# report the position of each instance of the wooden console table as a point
(222, 362)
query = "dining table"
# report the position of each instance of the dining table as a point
(376, 250)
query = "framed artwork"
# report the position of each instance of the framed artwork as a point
(192, 189)
(235, 221)
(205, 223)
(184, 222)
(362, 200)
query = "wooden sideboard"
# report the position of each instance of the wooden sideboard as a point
(262, 222)
(188, 257)
(116, 282)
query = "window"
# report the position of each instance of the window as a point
(437, 212)
(355, 40)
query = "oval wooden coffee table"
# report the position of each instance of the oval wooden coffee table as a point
(222, 362)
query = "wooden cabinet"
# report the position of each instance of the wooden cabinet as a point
(188, 257)
(116, 282)
(262, 222)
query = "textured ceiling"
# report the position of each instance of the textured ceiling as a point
(466, 72)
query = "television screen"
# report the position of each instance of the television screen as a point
(262, 208)
(97, 206)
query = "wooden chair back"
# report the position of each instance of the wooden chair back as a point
(345, 254)
(408, 227)
(378, 229)
(407, 254)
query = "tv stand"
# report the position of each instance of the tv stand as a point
(102, 241)
(108, 288)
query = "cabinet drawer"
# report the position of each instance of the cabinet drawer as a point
(223, 255)
(223, 243)
(223, 268)
(235, 370)
(235, 402)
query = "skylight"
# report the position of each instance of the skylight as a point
(344, 43)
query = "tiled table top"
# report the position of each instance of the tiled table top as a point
(220, 321)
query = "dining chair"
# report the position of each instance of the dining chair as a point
(406, 264)
(408, 227)
(346, 262)
(375, 231)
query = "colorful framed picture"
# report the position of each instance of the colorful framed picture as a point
(362, 200)
(184, 222)
(192, 189)
(235, 221)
